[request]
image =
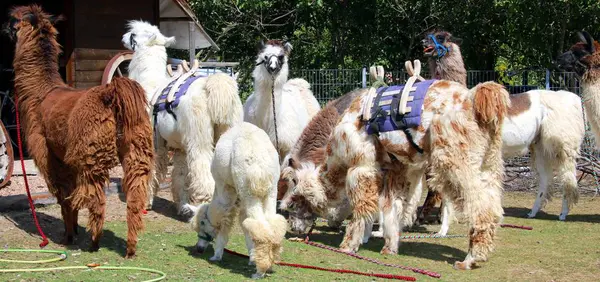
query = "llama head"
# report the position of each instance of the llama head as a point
(273, 56)
(305, 199)
(202, 225)
(287, 178)
(583, 58)
(28, 21)
(141, 34)
(439, 43)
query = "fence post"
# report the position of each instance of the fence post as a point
(364, 77)
(547, 79)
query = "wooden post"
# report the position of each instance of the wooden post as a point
(192, 50)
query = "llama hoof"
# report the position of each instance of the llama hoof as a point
(215, 258)
(258, 275)
(530, 215)
(387, 251)
(365, 240)
(377, 234)
(94, 247)
(67, 240)
(460, 265)
(251, 263)
(130, 256)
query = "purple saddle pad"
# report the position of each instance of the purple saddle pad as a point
(385, 114)
(161, 102)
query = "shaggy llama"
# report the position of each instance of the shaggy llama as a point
(310, 148)
(458, 139)
(76, 135)
(294, 106)
(548, 124)
(210, 107)
(246, 170)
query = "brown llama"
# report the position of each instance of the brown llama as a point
(548, 124)
(76, 135)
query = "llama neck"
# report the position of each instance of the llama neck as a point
(36, 67)
(266, 87)
(450, 67)
(149, 67)
(590, 90)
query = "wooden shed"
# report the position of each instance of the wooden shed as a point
(91, 34)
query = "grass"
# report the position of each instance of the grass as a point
(553, 251)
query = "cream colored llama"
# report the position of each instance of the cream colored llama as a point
(211, 106)
(295, 104)
(458, 130)
(548, 124)
(246, 170)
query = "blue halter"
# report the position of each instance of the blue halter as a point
(441, 49)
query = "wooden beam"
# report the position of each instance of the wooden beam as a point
(174, 19)
(91, 65)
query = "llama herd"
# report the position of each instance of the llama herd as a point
(369, 153)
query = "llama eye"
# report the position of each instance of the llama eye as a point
(295, 182)
(281, 57)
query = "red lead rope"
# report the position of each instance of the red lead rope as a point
(378, 275)
(20, 143)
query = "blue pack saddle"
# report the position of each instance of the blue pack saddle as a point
(167, 98)
(398, 107)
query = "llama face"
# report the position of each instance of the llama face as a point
(201, 224)
(434, 43)
(304, 199)
(273, 55)
(582, 57)
(142, 34)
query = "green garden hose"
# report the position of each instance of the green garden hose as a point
(63, 256)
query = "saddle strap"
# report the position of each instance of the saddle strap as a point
(180, 80)
(159, 90)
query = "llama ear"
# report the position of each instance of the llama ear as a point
(56, 19)
(456, 40)
(169, 41)
(152, 40)
(31, 19)
(260, 45)
(293, 163)
(287, 47)
(590, 42)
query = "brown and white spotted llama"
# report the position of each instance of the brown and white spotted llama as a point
(453, 132)
(548, 124)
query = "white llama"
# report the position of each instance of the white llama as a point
(295, 104)
(211, 106)
(246, 171)
(548, 124)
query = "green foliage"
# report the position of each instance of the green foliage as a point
(497, 34)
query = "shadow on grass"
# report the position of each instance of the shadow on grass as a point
(425, 250)
(233, 263)
(164, 207)
(522, 213)
(54, 229)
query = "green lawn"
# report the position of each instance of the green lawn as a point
(553, 251)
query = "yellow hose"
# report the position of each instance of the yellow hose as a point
(63, 256)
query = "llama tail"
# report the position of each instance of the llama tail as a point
(491, 103)
(299, 82)
(223, 100)
(136, 150)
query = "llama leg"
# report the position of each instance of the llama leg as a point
(75, 216)
(390, 222)
(66, 211)
(178, 176)
(223, 236)
(566, 171)
(160, 170)
(367, 233)
(545, 175)
(362, 186)
(137, 163)
(447, 210)
(248, 239)
(90, 194)
(415, 181)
